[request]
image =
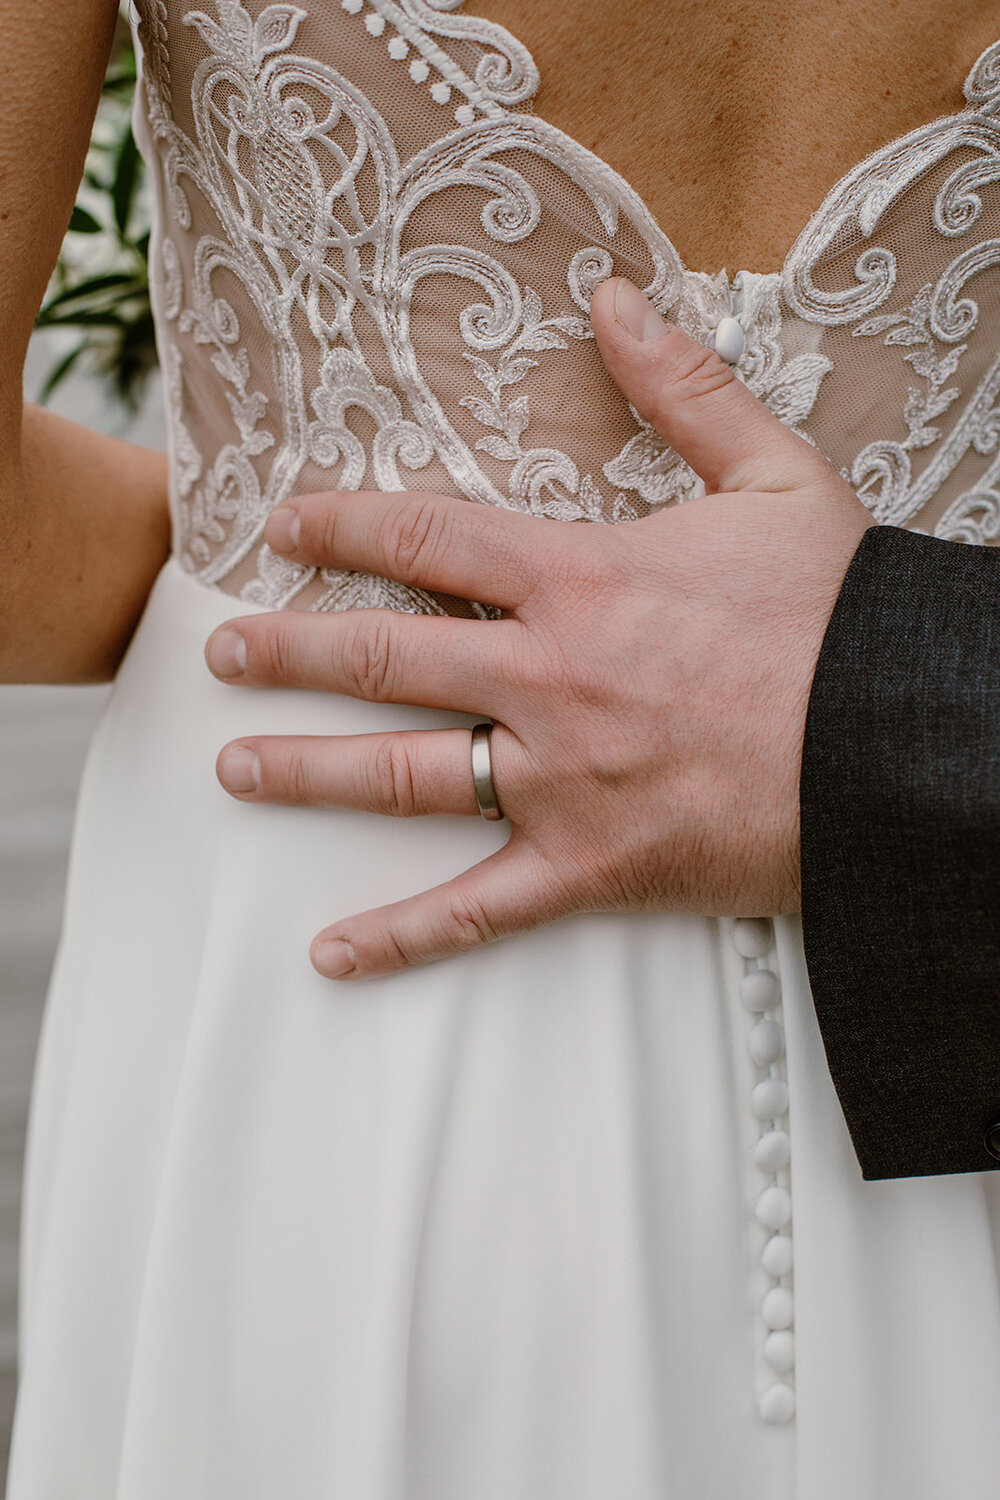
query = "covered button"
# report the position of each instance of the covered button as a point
(769, 1098)
(776, 1256)
(779, 1350)
(772, 1151)
(766, 1043)
(778, 1308)
(777, 1404)
(773, 1210)
(759, 990)
(729, 340)
(752, 936)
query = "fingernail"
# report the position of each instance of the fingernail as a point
(637, 313)
(227, 653)
(334, 958)
(239, 770)
(282, 529)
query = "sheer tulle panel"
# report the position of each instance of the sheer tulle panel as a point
(373, 268)
(909, 408)
(349, 298)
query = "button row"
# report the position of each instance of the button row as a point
(398, 49)
(760, 996)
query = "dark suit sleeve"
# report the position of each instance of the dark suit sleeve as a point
(900, 800)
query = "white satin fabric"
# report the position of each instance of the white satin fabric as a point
(480, 1230)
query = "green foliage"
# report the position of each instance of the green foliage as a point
(100, 287)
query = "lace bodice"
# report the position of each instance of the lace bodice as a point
(372, 268)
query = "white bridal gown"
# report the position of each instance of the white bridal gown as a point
(519, 1225)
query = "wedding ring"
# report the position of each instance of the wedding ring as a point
(482, 773)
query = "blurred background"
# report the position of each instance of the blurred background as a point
(93, 360)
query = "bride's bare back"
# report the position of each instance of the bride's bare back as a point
(733, 119)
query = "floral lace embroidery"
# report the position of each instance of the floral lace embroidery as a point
(310, 222)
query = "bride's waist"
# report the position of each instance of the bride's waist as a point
(165, 681)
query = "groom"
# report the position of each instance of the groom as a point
(754, 703)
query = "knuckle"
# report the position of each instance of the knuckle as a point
(298, 781)
(398, 952)
(369, 666)
(697, 372)
(469, 920)
(327, 529)
(278, 654)
(415, 537)
(392, 787)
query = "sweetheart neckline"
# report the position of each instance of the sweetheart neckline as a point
(715, 278)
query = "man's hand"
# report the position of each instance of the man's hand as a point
(648, 682)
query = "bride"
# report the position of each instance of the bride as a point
(575, 1214)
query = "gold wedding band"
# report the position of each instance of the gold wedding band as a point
(482, 773)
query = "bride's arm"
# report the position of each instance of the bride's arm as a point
(85, 520)
(83, 517)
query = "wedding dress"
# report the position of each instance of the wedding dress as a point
(575, 1216)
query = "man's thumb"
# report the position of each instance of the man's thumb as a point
(694, 400)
